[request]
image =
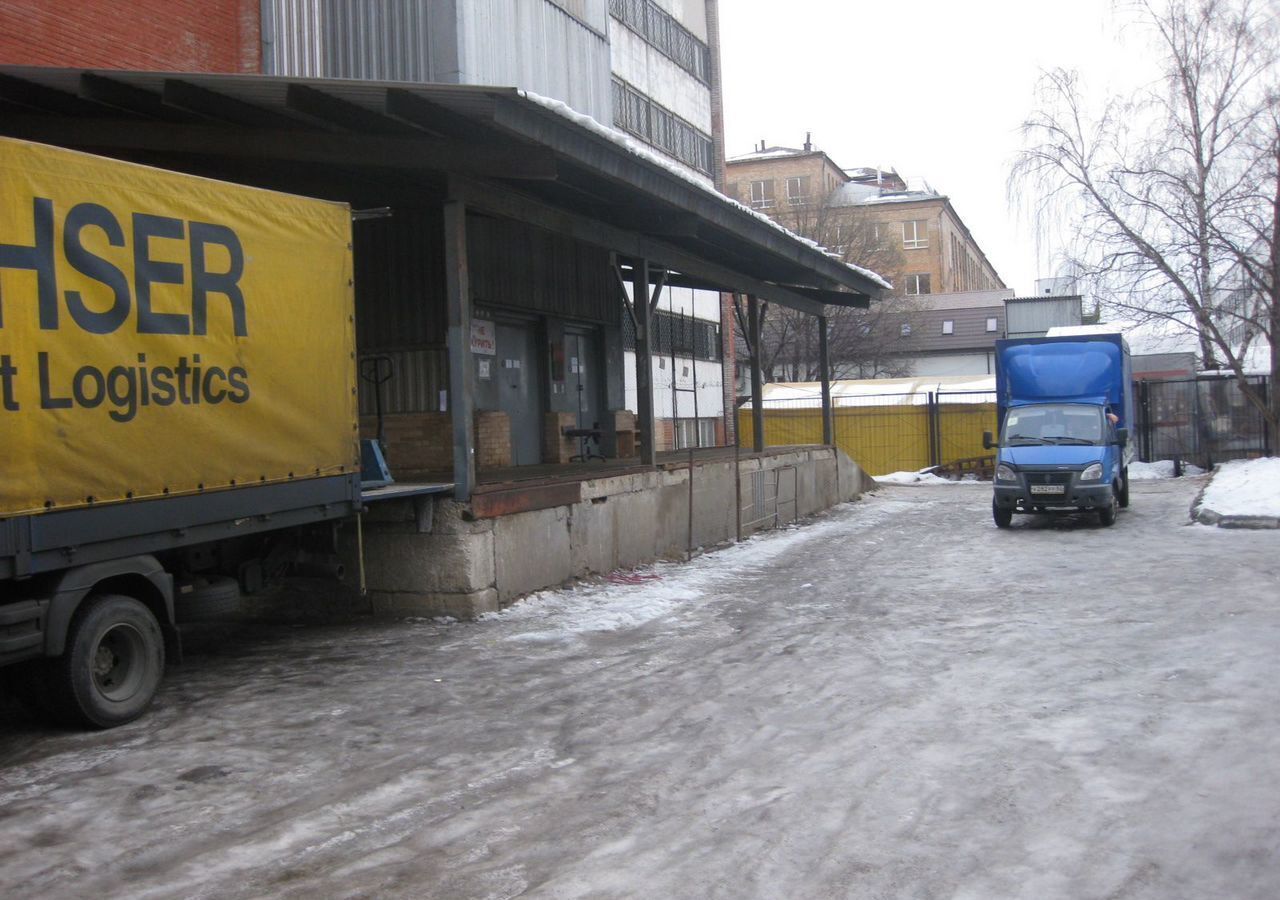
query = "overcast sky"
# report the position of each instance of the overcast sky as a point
(935, 89)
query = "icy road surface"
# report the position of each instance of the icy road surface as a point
(896, 701)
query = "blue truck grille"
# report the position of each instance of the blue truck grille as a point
(1063, 478)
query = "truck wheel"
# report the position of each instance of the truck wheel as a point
(1107, 514)
(112, 664)
(1124, 488)
(1002, 515)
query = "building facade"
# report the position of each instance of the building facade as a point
(648, 68)
(808, 192)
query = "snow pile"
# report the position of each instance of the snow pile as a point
(1162, 468)
(924, 476)
(638, 149)
(1245, 488)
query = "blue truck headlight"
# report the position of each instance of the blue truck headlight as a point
(1004, 473)
(1092, 473)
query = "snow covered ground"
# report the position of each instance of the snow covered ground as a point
(1245, 488)
(899, 700)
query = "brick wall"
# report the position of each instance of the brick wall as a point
(417, 443)
(162, 35)
(556, 448)
(729, 369)
(493, 439)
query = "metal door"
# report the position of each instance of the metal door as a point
(518, 395)
(582, 381)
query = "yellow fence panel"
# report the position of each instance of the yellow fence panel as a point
(881, 439)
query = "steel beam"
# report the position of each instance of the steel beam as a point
(824, 362)
(646, 424)
(461, 370)
(757, 380)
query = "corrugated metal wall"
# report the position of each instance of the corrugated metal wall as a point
(559, 50)
(385, 40)
(399, 266)
(520, 267)
(1026, 318)
(538, 46)
(400, 308)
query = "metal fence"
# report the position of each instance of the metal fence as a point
(885, 433)
(1203, 420)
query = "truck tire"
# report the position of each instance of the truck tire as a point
(1003, 516)
(212, 600)
(113, 663)
(1124, 487)
(1107, 514)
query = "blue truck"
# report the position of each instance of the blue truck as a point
(1065, 406)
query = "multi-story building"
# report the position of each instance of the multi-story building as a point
(807, 191)
(648, 68)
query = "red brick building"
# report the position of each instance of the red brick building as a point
(159, 35)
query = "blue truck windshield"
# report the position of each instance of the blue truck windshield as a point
(1053, 423)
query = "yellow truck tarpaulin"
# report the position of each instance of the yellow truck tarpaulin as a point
(162, 334)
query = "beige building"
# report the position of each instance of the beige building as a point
(808, 192)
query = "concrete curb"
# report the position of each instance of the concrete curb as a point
(1211, 517)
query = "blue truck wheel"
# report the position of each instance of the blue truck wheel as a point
(1002, 515)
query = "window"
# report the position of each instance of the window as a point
(905, 330)
(681, 335)
(917, 284)
(948, 326)
(634, 112)
(797, 189)
(762, 194)
(661, 30)
(915, 234)
(695, 433)
(993, 324)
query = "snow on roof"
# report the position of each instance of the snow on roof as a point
(883, 391)
(638, 149)
(856, 193)
(769, 153)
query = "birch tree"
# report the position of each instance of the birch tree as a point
(1172, 195)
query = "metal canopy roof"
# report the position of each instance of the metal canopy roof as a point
(385, 140)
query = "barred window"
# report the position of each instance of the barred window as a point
(683, 335)
(661, 30)
(636, 114)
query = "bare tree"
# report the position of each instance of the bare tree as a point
(859, 342)
(1173, 194)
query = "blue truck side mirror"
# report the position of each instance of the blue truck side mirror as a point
(987, 442)
(1122, 436)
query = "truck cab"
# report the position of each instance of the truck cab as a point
(1064, 406)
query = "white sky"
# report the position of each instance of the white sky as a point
(935, 89)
